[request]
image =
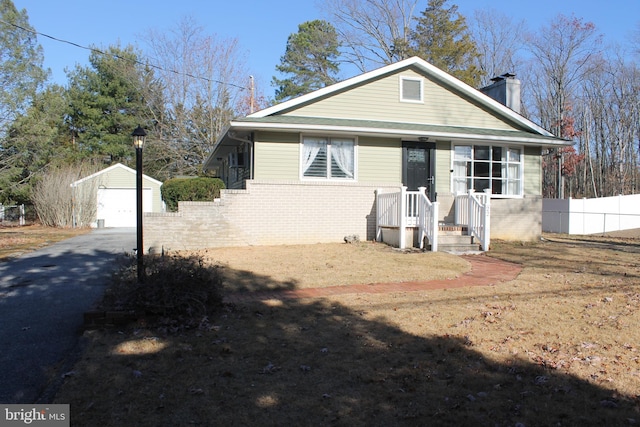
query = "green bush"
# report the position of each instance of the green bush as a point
(190, 189)
(177, 287)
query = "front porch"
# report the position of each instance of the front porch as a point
(409, 218)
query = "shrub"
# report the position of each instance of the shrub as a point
(60, 205)
(190, 189)
(174, 286)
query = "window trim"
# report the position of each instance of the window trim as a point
(328, 137)
(401, 86)
(506, 147)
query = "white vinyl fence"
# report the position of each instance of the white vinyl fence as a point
(591, 216)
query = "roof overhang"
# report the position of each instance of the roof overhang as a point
(240, 131)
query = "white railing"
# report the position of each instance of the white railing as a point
(387, 212)
(408, 209)
(474, 210)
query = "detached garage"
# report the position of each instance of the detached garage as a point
(115, 195)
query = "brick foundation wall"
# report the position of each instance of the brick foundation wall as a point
(517, 219)
(268, 213)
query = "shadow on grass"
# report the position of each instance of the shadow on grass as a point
(317, 362)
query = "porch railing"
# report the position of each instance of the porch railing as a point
(408, 209)
(474, 210)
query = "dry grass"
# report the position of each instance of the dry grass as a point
(319, 266)
(557, 346)
(15, 241)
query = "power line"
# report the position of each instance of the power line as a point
(134, 61)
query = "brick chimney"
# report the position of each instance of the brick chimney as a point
(506, 90)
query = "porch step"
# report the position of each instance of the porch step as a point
(454, 239)
(451, 230)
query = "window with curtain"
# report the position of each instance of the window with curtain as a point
(480, 167)
(331, 158)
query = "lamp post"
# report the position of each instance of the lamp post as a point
(138, 142)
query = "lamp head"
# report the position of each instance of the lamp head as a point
(138, 137)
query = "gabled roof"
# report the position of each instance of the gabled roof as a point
(110, 168)
(423, 66)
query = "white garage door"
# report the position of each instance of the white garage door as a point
(117, 206)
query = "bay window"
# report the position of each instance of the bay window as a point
(479, 167)
(330, 158)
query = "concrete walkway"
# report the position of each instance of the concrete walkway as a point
(43, 295)
(484, 271)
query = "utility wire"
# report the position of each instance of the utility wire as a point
(135, 61)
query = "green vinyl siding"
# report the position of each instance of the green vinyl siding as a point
(443, 166)
(532, 171)
(380, 100)
(118, 178)
(277, 156)
(379, 160)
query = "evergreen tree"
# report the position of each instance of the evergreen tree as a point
(442, 38)
(34, 140)
(106, 102)
(21, 58)
(21, 76)
(309, 60)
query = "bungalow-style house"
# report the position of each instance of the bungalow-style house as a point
(112, 194)
(398, 154)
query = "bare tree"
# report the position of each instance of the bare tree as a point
(58, 204)
(562, 53)
(610, 128)
(372, 32)
(204, 84)
(498, 41)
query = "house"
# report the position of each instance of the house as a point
(112, 197)
(394, 154)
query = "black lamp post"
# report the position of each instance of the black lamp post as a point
(138, 142)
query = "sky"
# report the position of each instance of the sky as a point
(262, 26)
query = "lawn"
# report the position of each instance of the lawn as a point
(559, 345)
(15, 241)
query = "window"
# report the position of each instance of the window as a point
(410, 89)
(483, 166)
(331, 158)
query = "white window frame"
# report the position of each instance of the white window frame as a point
(505, 166)
(414, 79)
(327, 178)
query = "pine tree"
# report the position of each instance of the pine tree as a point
(106, 103)
(442, 38)
(21, 58)
(309, 59)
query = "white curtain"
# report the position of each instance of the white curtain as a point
(310, 149)
(342, 154)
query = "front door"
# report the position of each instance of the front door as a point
(418, 166)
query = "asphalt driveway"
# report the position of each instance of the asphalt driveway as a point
(43, 296)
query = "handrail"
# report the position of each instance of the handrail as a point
(479, 217)
(407, 209)
(428, 219)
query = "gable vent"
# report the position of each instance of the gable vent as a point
(411, 89)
